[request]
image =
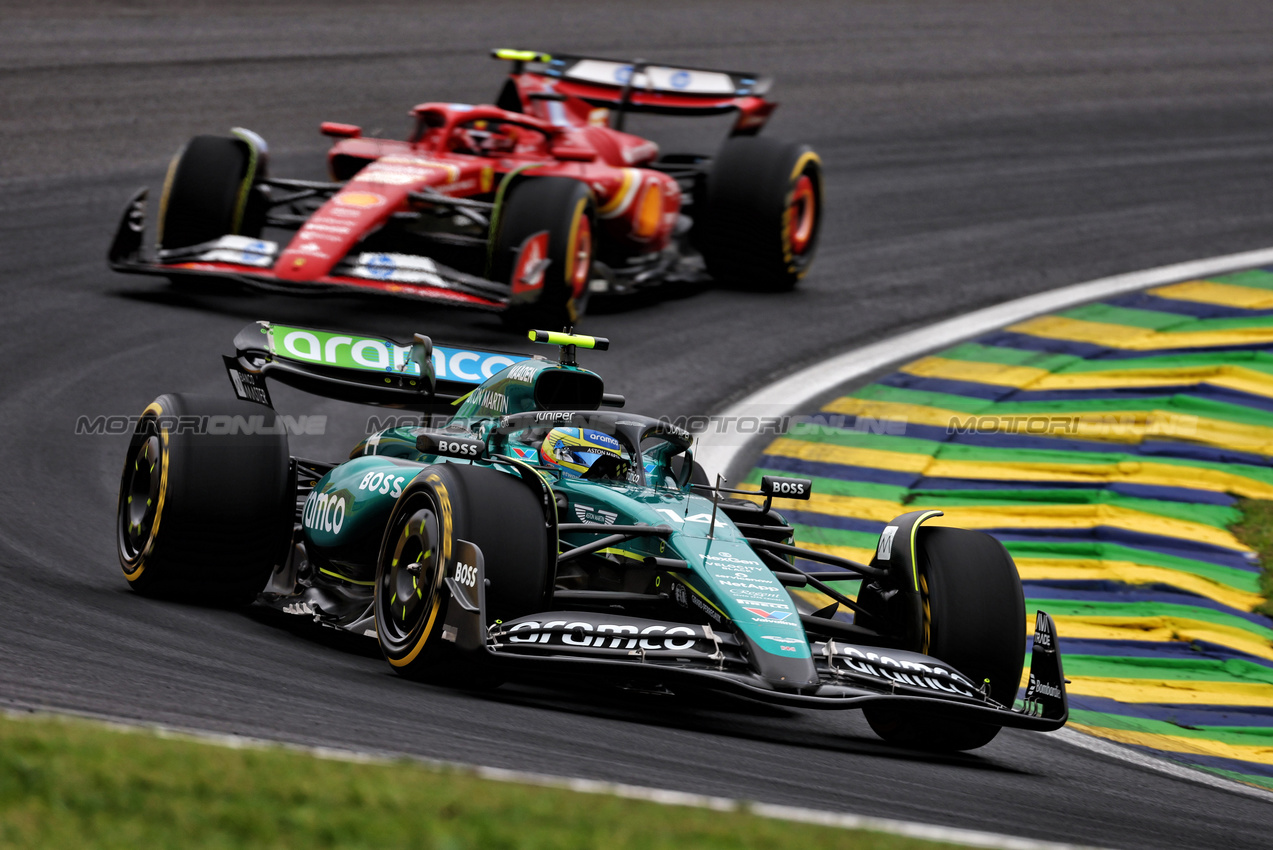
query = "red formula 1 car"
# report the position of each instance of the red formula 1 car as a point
(524, 207)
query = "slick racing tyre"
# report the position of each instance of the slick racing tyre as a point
(974, 620)
(448, 502)
(206, 504)
(556, 297)
(757, 218)
(209, 193)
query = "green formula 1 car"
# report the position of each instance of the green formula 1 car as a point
(519, 529)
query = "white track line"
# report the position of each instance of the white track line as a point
(1160, 765)
(952, 835)
(718, 450)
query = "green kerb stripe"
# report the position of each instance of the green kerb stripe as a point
(1255, 278)
(1065, 364)
(1259, 736)
(1101, 551)
(1131, 610)
(1111, 315)
(1214, 515)
(1174, 669)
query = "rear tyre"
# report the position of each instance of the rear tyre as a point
(565, 208)
(756, 220)
(974, 620)
(204, 516)
(208, 193)
(445, 503)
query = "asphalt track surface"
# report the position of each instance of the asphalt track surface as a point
(974, 152)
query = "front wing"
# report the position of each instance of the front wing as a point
(564, 643)
(249, 261)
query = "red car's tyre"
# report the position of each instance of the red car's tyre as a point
(974, 620)
(757, 218)
(206, 503)
(208, 192)
(445, 503)
(565, 209)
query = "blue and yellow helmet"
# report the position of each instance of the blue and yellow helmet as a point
(575, 450)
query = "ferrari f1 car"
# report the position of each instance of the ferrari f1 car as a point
(518, 529)
(524, 207)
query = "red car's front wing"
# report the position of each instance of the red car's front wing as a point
(454, 288)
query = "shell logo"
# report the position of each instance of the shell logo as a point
(360, 200)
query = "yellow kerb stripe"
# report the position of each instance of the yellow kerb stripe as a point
(1028, 378)
(1090, 569)
(1260, 754)
(1225, 294)
(1162, 629)
(1131, 338)
(1173, 691)
(996, 374)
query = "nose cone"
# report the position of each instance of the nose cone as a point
(335, 228)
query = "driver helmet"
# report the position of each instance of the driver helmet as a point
(573, 451)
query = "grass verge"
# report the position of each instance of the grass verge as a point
(71, 783)
(1255, 529)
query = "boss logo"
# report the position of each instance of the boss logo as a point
(466, 574)
(789, 488)
(436, 444)
(379, 482)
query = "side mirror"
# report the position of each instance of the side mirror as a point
(340, 131)
(785, 488)
(569, 153)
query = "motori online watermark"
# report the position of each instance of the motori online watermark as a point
(722, 429)
(216, 424)
(1078, 425)
(744, 427)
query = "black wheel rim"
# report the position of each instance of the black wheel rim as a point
(139, 496)
(407, 584)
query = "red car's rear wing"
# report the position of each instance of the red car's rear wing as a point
(640, 86)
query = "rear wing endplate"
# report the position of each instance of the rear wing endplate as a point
(640, 86)
(362, 369)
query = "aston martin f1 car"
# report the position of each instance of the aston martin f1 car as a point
(522, 525)
(524, 207)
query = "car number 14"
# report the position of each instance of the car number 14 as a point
(680, 520)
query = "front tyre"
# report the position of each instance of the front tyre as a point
(757, 219)
(206, 502)
(564, 208)
(448, 502)
(974, 620)
(208, 192)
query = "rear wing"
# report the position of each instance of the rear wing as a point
(640, 86)
(361, 369)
